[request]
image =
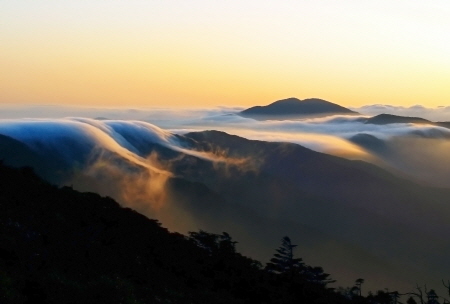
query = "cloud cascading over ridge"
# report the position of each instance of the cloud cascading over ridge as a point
(333, 135)
(112, 157)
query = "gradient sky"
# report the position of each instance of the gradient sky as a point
(206, 53)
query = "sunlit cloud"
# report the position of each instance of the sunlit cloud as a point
(115, 152)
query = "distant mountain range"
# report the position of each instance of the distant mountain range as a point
(258, 191)
(295, 108)
(385, 119)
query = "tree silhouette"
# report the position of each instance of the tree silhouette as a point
(213, 243)
(448, 288)
(283, 261)
(381, 297)
(411, 301)
(205, 240)
(432, 297)
(395, 296)
(317, 275)
(226, 244)
(420, 294)
(358, 284)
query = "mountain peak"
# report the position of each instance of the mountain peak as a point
(287, 100)
(295, 108)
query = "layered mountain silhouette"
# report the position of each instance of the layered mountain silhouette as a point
(295, 108)
(347, 214)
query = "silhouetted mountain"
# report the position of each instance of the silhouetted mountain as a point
(384, 119)
(296, 108)
(445, 124)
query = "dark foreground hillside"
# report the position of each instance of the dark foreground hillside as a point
(58, 245)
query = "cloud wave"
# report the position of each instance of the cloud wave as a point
(133, 129)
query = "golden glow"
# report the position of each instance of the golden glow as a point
(203, 54)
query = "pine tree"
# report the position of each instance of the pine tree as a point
(358, 284)
(284, 261)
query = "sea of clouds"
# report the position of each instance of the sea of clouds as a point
(418, 151)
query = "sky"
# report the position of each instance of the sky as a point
(224, 53)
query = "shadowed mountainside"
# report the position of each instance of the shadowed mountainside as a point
(327, 200)
(58, 245)
(19, 154)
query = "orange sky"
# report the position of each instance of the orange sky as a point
(204, 53)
